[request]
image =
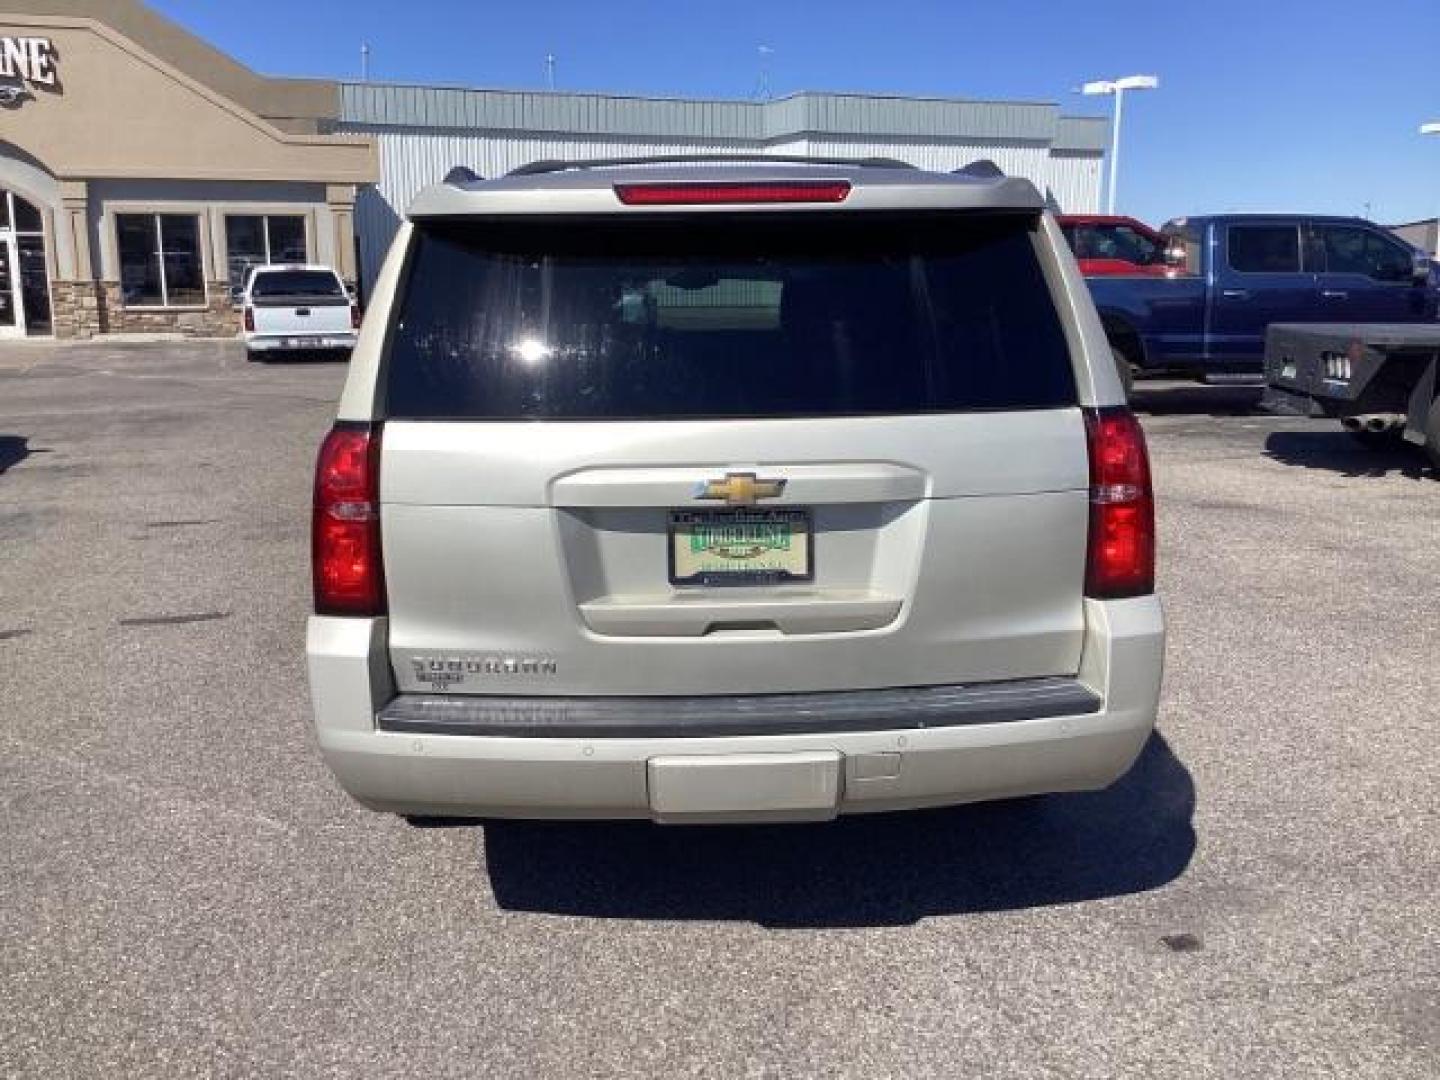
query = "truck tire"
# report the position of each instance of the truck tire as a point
(1122, 368)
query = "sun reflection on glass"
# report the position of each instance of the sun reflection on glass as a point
(531, 350)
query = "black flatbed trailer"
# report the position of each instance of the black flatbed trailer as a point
(1380, 380)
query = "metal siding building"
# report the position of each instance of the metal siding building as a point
(1423, 234)
(423, 131)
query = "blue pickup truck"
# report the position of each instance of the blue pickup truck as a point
(1242, 272)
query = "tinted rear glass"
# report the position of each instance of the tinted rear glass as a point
(761, 315)
(296, 283)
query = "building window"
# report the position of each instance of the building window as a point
(262, 239)
(160, 263)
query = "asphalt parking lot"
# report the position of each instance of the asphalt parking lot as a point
(184, 891)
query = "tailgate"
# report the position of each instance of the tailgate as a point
(519, 560)
(301, 318)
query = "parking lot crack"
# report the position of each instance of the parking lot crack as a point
(175, 620)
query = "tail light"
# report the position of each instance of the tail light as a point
(250, 319)
(348, 574)
(354, 316)
(1121, 559)
(774, 191)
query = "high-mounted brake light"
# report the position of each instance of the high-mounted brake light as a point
(348, 573)
(710, 194)
(1121, 559)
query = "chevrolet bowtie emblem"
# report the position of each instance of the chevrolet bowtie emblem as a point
(739, 489)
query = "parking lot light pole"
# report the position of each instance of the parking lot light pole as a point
(1118, 87)
(1433, 128)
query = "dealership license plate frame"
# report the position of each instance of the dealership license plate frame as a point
(680, 525)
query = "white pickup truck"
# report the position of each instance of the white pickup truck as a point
(297, 308)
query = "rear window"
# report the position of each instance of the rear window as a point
(761, 315)
(311, 283)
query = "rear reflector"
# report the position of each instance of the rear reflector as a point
(695, 194)
(1121, 559)
(348, 574)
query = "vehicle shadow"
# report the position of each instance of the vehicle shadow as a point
(13, 450)
(885, 870)
(1338, 452)
(1165, 398)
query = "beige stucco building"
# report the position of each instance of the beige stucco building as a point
(141, 171)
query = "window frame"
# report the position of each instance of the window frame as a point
(1378, 237)
(1370, 236)
(12, 236)
(158, 252)
(1296, 227)
(11, 221)
(265, 217)
(1045, 253)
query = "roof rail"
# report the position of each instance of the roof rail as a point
(462, 174)
(535, 168)
(982, 169)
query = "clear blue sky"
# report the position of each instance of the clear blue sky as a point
(1263, 104)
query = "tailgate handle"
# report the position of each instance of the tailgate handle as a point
(1235, 294)
(1334, 294)
(302, 311)
(736, 626)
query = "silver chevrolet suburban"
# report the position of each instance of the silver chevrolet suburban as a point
(730, 490)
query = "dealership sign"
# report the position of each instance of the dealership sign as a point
(25, 62)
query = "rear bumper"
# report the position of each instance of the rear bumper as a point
(833, 713)
(852, 766)
(339, 339)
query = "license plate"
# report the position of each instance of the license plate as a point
(740, 547)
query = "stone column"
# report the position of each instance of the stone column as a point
(74, 292)
(340, 198)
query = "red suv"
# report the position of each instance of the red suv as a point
(1106, 246)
